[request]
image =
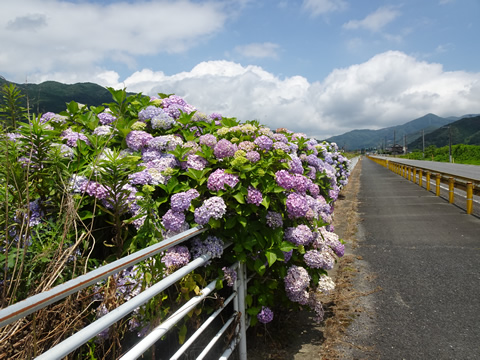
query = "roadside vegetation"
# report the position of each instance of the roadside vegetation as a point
(461, 154)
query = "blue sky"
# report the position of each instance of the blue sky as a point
(323, 67)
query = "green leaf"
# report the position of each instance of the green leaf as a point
(231, 222)
(242, 221)
(182, 334)
(148, 277)
(239, 197)
(260, 267)
(286, 246)
(271, 257)
(266, 202)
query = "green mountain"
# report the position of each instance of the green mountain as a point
(386, 137)
(53, 96)
(464, 131)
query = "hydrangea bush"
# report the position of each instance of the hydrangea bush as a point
(138, 170)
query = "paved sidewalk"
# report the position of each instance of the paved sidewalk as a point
(425, 255)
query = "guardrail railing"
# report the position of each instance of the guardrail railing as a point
(416, 173)
(34, 303)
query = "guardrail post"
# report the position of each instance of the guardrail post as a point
(414, 175)
(428, 180)
(451, 187)
(405, 171)
(420, 177)
(469, 198)
(409, 171)
(242, 331)
(437, 190)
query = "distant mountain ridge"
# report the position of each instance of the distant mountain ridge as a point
(52, 95)
(464, 131)
(410, 131)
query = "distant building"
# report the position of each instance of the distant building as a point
(395, 150)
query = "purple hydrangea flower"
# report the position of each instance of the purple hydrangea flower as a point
(207, 139)
(274, 219)
(319, 259)
(181, 201)
(212, 207)
(287, 255)
(281, 146)
(173, 220)
(297, 205)
(212, 245)
(252, 156)
(106, 118)
(254, 196)
(217, 180)
(138, 139)
(229, 275)
(149, 112)
(72, 137)
(196, 162)
(296, 166)
(280, 138)
(141, 178)
(301, 183)
(300, 235)
(224, 148)
(265, 315)
(215, 116)
(176, 257)
(96, 189)
(285, 179)
(296, 283)
(263, 142)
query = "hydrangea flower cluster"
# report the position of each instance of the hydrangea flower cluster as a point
(229, 275)
(265, 315)
(176, 257)
(216, 172)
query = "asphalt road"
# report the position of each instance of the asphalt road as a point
(424, 253)
(467, 171)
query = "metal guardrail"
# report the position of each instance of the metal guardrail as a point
(415, 174)
(30, 305)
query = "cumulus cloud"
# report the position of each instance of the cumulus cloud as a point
(389, 89)
(258, 50)
(318, 7)
(82, 35)
(375, 21)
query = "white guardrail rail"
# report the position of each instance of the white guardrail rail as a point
(30, 305)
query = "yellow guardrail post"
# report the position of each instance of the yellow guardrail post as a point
(469, 198)
(437, 190)
(405, 171)
(414, 175)
(451, 187)
(428, 180)
(420, 177)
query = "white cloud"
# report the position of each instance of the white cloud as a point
(82, 35)
(389, 89)
(374, 21)
(318, 7)
(258, 50)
